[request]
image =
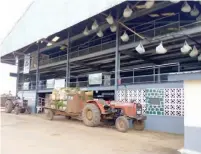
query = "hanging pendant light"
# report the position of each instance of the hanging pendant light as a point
(194, 12)
(199, 57)
(125, 37)
(194, 52)
(113, 28)
(86, 31)
(149, 4)
(140, 49)
(160, 49)
(94, 25)
(110, 19)
(186, 7)
(100, 33)
(186, 48)
(127, 12)
(175, 1)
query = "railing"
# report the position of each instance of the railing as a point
(142, 79)
(157, 30)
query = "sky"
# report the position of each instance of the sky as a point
(10, 12)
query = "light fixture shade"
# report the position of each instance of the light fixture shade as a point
(194, 12)
(160, 49)
(94, 25)
(113, 28)
(100, 33)
(127, 12)
(194, 52)
(186, 48)
(110, 19)
(199, 57)
(149, 4)
(186, 7)
(175, 1)
(140, 49)
(125, 37)
(86, 31)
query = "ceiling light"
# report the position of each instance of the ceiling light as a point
(110, 19)
(194, 12)
(186, 7)
(113, 28)
(86, 31)
(194, 52)
(149, 4)
(63, 47)
(49, 44)
(175, 1)
(168, 14)
(100, 33)
(94, 25)
(140, 49)
(160, 49)
(199, 57)
(186, 48)
(154, 15)
(55, 39)
(127, 12)
(125, 37)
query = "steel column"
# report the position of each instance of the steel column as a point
(117, 58)
(37, 74)
(159, 74)
(67, 61)
(17, 79)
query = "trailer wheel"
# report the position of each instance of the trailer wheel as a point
(91, 115)
(139, 125)
(49, 114)
(9, 106)
(68, 117)
(122, 124)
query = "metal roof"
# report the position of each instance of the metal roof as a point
(45, 18)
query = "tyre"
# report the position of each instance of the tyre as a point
(9, 106)
(122, 124)
(139, 125)
(17, 110)
(22, 110)
(91, 115)
(28, 110)
(49, 115)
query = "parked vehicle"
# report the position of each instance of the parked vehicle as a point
(92, 111)
(18, 105)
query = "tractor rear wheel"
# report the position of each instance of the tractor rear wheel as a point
(49, 114)
(91, 115)
(9, 106)
(122, 124)
(139, 125)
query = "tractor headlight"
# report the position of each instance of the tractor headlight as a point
(139, 109)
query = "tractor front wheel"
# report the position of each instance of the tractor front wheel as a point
(139, 125)
(9, 106)
(122, 124)
(91, 115)
(49, 114)
(17, 110)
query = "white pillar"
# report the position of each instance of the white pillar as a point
(192, 117)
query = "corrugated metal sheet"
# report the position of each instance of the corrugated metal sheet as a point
(46, 17)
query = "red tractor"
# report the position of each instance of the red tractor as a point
(93, 112)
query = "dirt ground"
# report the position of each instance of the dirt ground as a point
(30, 134)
